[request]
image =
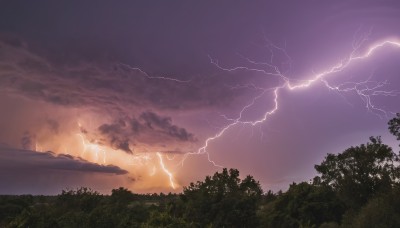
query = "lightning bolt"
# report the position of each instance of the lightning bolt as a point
(88, 146)
(140, 159)
(126, 66)
(137, 159)
(38, 148)
(166, 171)
(364, 89)
(153, 171)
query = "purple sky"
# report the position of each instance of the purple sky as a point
(143, 95)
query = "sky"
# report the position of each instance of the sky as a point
(153, 95)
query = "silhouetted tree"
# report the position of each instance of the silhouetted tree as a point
(394, 126)
(303, 204)
(360, 172)
(380, 211)
(122, 196)
(223, 200)
(84, 199)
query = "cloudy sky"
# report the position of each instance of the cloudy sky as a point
(152, 95)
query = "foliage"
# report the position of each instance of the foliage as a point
(394, 126)
(303, 204)
(381, 211)
(222, 200)
(365, 170)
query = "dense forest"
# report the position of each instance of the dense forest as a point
(359, 187)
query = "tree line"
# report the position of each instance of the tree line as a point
(359, 187)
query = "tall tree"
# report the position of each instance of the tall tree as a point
(360, 172)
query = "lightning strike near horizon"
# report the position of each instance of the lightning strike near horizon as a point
(93, 147)
(364, 89)
(166, 171)
(138, 159)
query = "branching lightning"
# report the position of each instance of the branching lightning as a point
(364, 89)
(97, 149)
(152, 77)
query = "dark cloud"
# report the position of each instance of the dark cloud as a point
(14, 160)
(164, 125)
(110, 86)
(27, 141)
(116, 135)
(119, 92)
(124, 145)
(29, 172)
(122, 134)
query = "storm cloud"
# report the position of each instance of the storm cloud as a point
(30, 172)
(122, 93)
(111, 86)
(124, 133)
(116, 82)
(27, 160)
